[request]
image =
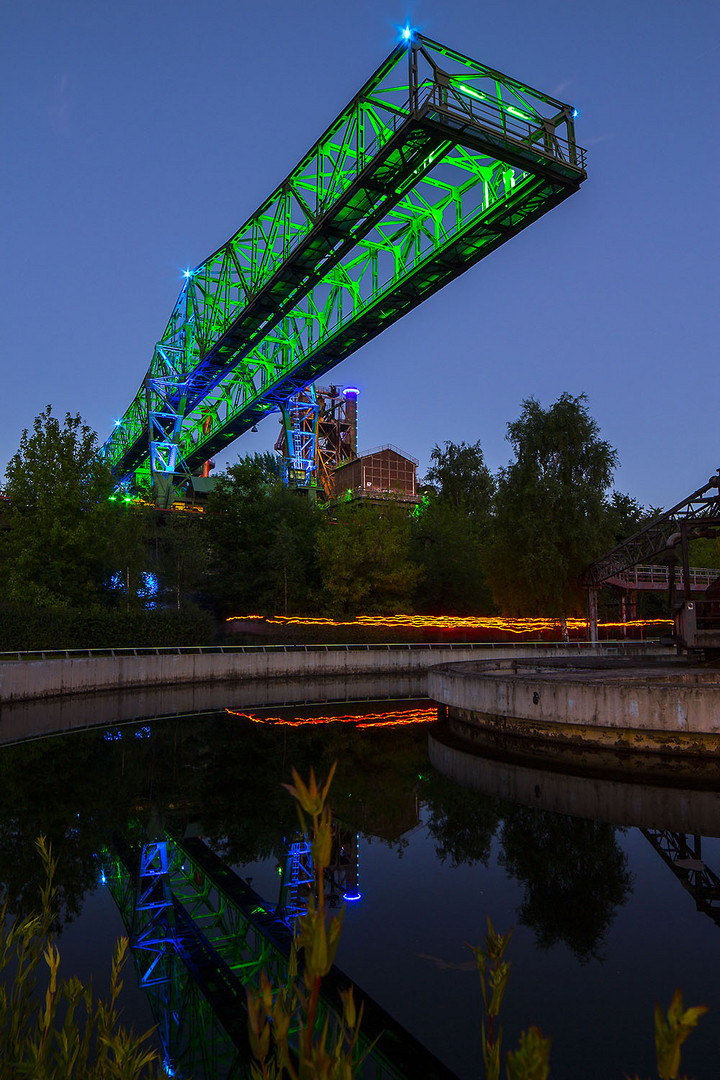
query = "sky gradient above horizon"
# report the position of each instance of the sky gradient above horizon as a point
(139, 136)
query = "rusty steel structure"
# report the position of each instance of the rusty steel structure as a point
(318, 433)
(697, 516)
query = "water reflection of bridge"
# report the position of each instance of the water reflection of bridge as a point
(682, 853)
(200, 934)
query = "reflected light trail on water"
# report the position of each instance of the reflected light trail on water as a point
(367, 720)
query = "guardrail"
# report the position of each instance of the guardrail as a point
(653, 576)
(209, 650)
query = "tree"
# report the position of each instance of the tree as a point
(261, 542)
(449, 546)
(461, 479)
(451, 530)
(55, 551)
(624, 517)
(550, 508)
(364, 561)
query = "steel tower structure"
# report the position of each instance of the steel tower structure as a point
(436, 162)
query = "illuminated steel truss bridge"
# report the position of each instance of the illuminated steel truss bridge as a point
(436, 162)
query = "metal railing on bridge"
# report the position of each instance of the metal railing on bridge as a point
(658, 578)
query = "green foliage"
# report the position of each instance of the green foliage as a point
(461, 479)
(364, 560)
(705, 552)
(63, 1032)
(31, 628)
(672, 1032)
(448, 546)
(178, 554)
(550, 508)
(623, 517)
(320, 1053)
(56, 549)
(261, 542)
(451, 531)
(494, 974)
(531, 1061)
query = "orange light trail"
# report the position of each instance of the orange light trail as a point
(454, 622)
(368, 720)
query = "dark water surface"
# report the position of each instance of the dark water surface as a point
(605, 921)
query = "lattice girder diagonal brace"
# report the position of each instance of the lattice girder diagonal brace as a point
(434, 163)
(697, 515)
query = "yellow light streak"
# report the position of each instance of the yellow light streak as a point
(454, 622)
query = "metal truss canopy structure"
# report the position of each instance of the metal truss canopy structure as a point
(436, 162)
(697, 515)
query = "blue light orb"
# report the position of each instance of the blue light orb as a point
(118, 423)
(575, 112)
(406, 33)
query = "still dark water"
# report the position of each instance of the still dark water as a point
(605, 921)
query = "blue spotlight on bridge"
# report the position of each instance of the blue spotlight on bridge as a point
(406, 33)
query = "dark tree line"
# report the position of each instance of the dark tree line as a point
(516, 541)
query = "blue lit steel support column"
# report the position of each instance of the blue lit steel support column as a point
(153, 939)
(300, 426)
(297, 881)
(166, 391)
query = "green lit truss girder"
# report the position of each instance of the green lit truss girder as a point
(436, 162)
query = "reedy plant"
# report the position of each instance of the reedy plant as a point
(315, 1050)
(65, 1034)
(531, 1061)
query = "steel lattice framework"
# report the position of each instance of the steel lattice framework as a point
(435, 163)
(697, 515)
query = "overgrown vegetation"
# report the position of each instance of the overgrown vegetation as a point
(34, 628)
(52, 1028)
(319, 1051)
(531, 1061)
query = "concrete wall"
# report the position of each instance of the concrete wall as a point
(656, 699)
(649, 806)
(49, 677)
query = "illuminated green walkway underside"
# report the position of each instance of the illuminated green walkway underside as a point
(436, 162)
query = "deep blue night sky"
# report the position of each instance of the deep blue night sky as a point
(139, 135)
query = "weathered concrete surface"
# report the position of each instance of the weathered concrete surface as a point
(36, 718)
(608, 702)
(598, 798)
(25, 679)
